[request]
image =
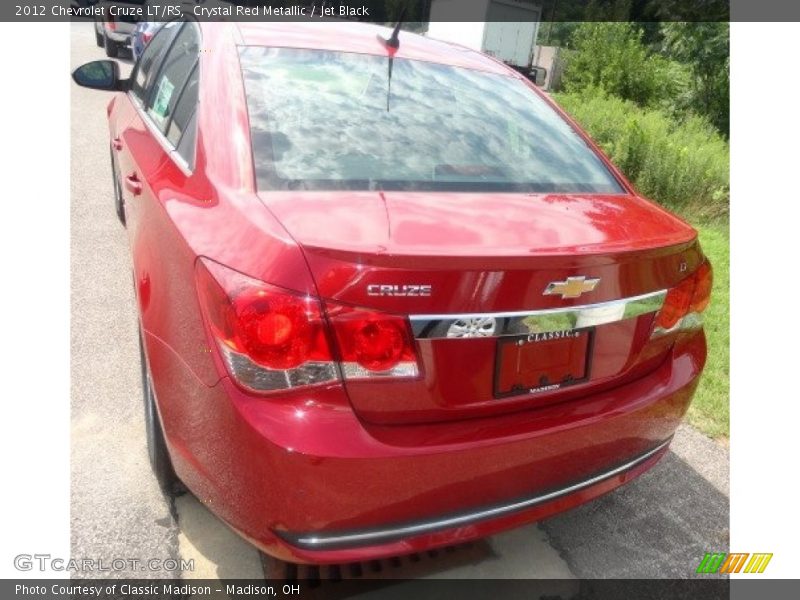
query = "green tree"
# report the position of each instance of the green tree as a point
(705, 50)
(611, 56)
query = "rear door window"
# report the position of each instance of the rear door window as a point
(149, 62)
(184, 109)
(186, 146)
(181, 131)
(175, 72)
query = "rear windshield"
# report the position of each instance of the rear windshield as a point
(323, 120)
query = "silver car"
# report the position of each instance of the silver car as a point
(115, 33)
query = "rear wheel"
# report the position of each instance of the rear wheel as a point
(157, 452)
(112, 47)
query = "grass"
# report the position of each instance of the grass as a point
(683, 164)
(710, 410)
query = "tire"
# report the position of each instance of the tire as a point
(98, 37)
(157, 451)
(119, 201)
(112, 47)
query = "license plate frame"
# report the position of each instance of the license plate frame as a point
(531, 343)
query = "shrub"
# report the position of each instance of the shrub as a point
(704, 49)
(681, 164)
(611, 56)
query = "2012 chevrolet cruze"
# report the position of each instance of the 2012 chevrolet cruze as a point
(390, 296)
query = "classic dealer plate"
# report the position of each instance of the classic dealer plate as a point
(541, 362)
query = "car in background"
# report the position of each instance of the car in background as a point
(115, 33)
(144, 32)
(390, 296)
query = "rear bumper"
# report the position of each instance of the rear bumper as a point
(474, 518)
(304, 479)
(121, 38)
(122, 34)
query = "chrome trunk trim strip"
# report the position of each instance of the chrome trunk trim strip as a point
(327, 541)
(538, 321)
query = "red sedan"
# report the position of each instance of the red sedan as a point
(390, 296)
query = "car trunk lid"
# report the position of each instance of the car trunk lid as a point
(448, 260)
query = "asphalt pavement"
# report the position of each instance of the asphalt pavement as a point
(660, 525)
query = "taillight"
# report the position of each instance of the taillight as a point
(704, 279)
(270, 338)
(110, 24)
(676, 304)
(273, 339)
(373, 344)
(146, 37)
(687, 300)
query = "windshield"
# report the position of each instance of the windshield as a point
(323, 120)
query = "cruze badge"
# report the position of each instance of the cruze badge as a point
(399, 290)
(573, 287)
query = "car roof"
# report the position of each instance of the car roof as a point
(362, 38)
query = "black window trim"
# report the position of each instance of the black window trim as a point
(161, 66)
(186, 167)
(160, 63)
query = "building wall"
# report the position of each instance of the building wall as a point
(551, 59)
(466, 34)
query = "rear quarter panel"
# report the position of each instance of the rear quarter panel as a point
(182, 215)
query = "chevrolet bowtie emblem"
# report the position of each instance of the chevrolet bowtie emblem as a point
(572, 287)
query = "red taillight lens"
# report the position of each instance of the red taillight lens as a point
(272, 328)
(146, 37)
(690, 295)
(704, 278)
(273, 339)
(378, 345)
(676, 304)
(258, 326)
(373, 344)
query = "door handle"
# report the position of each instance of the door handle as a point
(117, 144)
(133, 185)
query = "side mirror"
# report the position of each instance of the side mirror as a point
(538, 75)
(100, 75)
